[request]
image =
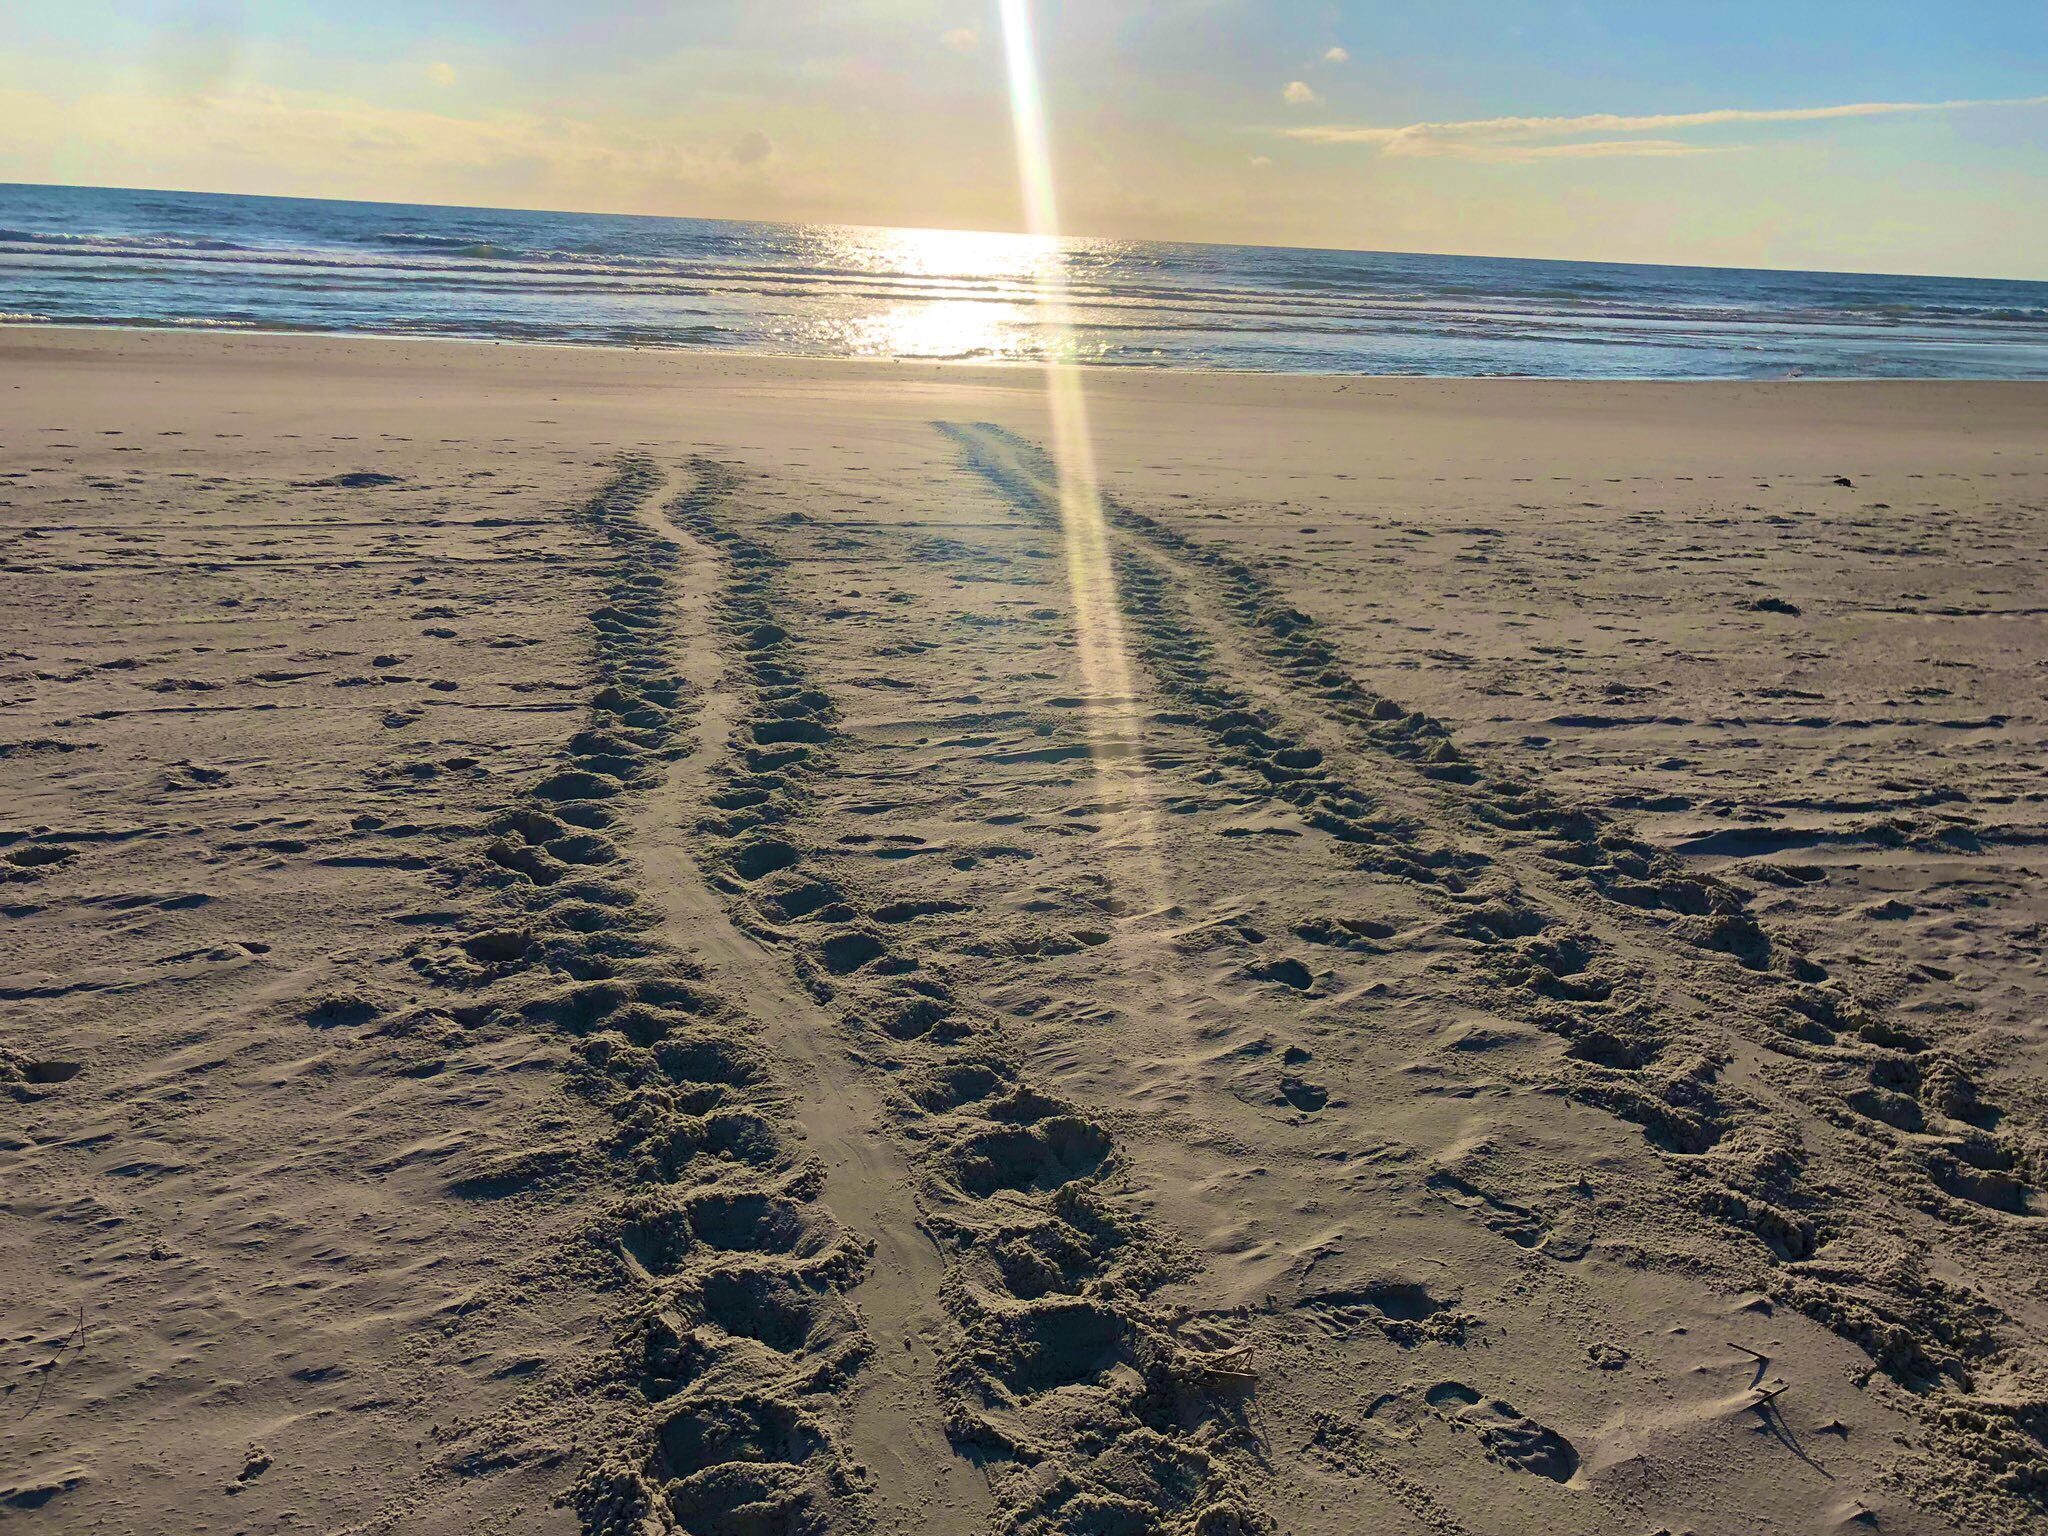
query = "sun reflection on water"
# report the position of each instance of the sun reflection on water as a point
(957, 295)
(944, 330)
(981, 255)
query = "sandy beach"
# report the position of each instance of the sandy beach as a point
(663, 943)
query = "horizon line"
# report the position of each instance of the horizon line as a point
(1334, 250)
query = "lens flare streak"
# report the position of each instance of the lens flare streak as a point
(1113, 724)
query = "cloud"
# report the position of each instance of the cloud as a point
(1299, 93)
(1500, 152)
(1337, 54)
(441, 72)
(1260, 162)
(255, 139)
(1589, 149)
(963, 39)
(1497, 137)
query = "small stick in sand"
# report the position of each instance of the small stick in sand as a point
(76, 1337)
(1228, 1365)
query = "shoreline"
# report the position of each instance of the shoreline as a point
(234, 329)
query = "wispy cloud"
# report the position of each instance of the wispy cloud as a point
(1299, 93)
(1532, 138)
(1588, 149)
(344, 147)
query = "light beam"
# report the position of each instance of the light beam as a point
(1114, 726)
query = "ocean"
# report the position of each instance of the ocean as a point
(108, 257)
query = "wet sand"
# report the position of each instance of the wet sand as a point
(649, 942)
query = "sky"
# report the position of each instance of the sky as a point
(1878, 135)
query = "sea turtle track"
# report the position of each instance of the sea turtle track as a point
(1732, 1050)
(1063, 1381)
(739, 1353)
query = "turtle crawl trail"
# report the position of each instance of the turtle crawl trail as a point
(1215, 1108)
(1103, 1064)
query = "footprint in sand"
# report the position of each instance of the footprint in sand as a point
(27, 1077)
(1507, 1435)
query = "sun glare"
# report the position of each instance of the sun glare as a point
(947, 295)
(1091, 573)
(948, 330)
(981, 255)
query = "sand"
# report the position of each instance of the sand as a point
(651, 943)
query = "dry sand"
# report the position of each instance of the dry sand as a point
(602, 937)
